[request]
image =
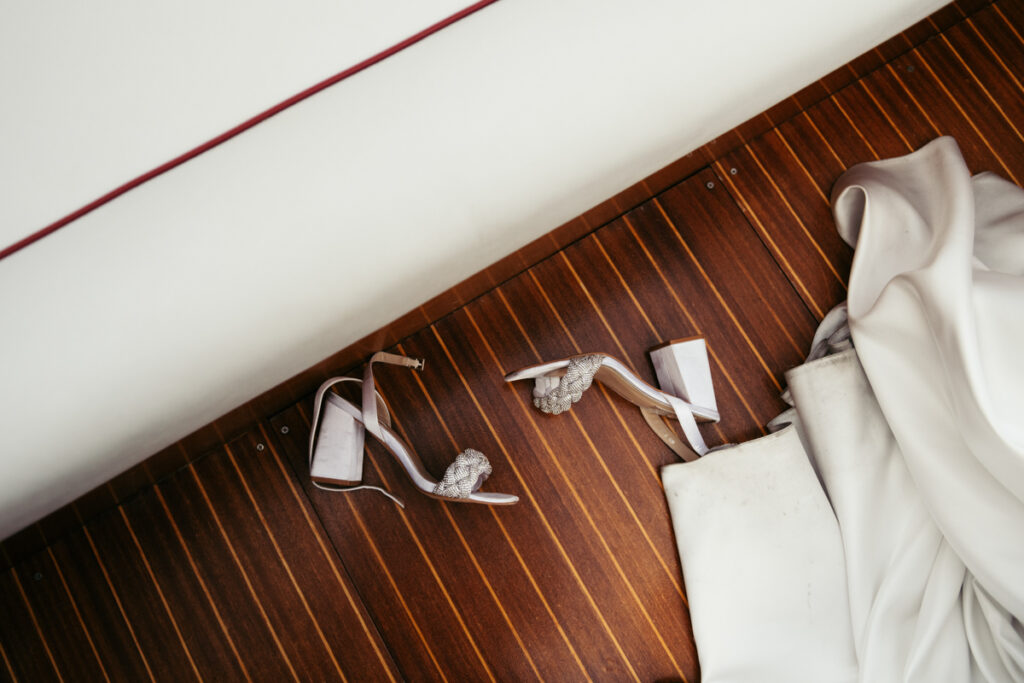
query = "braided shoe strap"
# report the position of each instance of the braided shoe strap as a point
(579, 374)
(464, 476)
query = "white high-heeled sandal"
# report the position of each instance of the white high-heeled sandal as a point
(336, 448)
(683, 372)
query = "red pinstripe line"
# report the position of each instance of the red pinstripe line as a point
(242, 127)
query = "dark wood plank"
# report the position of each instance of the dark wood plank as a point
(58, 523)
(60, 619)
(593, 456)
(28, 541)
(806, 247)
(946, 16)
(479, 533)
(27, 656)
(959, 114)
(399, 579)
(1012, 12)
(202, 626)
(129, 482)
(817, 158)
(319, 576)
(166, 462)
(755, 322)
(969, 7)
(619, 453)
(989, 120)
(219, 566)
(1000, 83)
(879, 128)
(530, 532)
(831, 127)
(274, 576)
(101, 611)
(989, 28)
(592, 557)
(99, 500)
(880, 116)
(144, 604)
(494, 595)
(889, 121)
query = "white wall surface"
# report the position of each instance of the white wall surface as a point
(97, 93)
(191, 294)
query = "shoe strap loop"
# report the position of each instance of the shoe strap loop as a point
(370, 388)
(318, 402)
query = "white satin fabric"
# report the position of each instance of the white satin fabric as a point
(880, 536)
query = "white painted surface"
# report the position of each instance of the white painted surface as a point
(97, 93)
(199, 290)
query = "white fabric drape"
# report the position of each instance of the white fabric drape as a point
(880, 536)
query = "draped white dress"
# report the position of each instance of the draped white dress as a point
(878, 535)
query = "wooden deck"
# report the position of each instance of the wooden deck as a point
(235, 568)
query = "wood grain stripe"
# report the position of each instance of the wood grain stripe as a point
(303, 504)
(867, 91)
(241, 569)
(35, 624)
(622, 282)
(202, 583)
(533, 417)
(672, 575)
(855, 128)
(931, 122)
(632, 297)
(539, 509)
(717, 293)
(379, 558)
(579, 349)
(682, 307)
(992, 100)
(765, 234)
(78, 613)
(995, 55)
(75, 560)
(1009, 24)
(970, 121)
(803, 226)
(824, 141)
(284, 563)
(508, 539)
(160, 593)
(117, 599)
(433, 571)
(623, 356)
(7, 662)
(800, 163)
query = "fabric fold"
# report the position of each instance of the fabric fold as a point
(940, 339)
(897, 491)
